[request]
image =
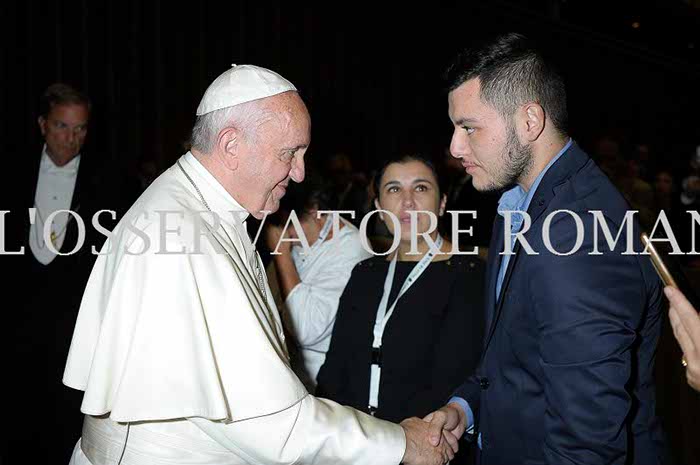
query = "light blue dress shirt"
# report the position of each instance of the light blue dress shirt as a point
(518, 200)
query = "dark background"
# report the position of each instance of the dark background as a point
(370, 75)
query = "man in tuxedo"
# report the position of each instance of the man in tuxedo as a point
(566, 372)
(52, 271)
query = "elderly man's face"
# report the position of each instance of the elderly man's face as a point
(485, 143)
(64, 130)
(277, 156)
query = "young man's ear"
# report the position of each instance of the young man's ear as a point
(530, 122)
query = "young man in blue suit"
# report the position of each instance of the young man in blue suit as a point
(572, 321)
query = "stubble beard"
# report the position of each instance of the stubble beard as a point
(516, 164)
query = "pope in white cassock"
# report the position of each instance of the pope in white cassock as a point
(178, 344)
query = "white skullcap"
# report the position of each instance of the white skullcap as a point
(240, 84)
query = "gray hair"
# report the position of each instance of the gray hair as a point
(246, 117)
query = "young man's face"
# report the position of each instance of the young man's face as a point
(485, 143)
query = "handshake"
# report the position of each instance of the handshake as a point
(434, 439)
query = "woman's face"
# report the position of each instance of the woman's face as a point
(405, 187)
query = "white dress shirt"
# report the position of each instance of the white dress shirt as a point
(54, 191)
(311, 307)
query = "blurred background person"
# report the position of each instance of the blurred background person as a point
(638, 193)
(665, 192)
(606, 151)
(667, 199)
(648, 164)
(686, 328)
(310, 282)
(409, 326)
(690, 194)
(349, 184)
(690, 200)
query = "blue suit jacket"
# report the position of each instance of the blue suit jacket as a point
(566, 372)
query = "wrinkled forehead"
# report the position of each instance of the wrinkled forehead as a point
(69, 112)
(290, 109)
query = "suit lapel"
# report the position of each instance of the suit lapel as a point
(497, 306)
(493, 264)
(570, 162)
(79, 194)
(31, 191)
(538, 205)
(79, 190)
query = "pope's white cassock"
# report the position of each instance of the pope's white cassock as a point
(181, 355)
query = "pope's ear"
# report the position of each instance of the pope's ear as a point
(229, 145)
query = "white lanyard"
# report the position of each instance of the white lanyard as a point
(324, 231)
(383, 316)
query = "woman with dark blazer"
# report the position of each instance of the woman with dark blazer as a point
(397, 358)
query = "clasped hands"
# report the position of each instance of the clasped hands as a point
(434, 440)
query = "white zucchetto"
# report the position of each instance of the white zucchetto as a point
(240, 84)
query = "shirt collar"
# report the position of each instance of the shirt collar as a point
(48, 166)
(517, 198)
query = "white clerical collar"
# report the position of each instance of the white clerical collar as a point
(222, 201)
(48, 166)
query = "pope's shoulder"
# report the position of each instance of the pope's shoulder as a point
(165, 211)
